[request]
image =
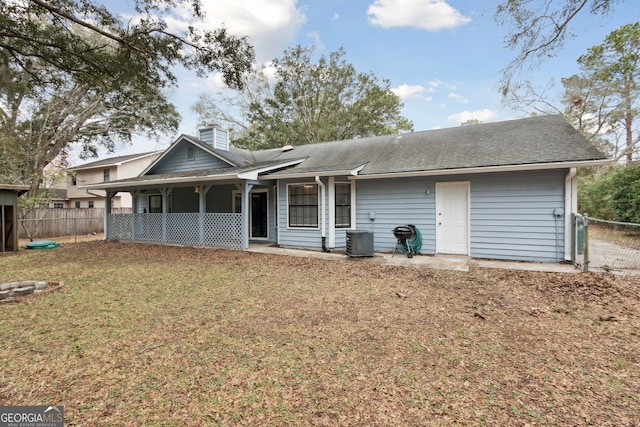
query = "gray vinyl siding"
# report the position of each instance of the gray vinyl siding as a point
(179, 161)
(396, 202)
(309, 238)
(185, 200)
(512, 216)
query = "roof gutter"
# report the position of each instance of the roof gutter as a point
(487, 169)
(253, 174)
(157, 182)
(248, 175)
(350, 172)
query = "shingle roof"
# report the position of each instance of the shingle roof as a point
(535, 140)
(112, 160)
(531, 141)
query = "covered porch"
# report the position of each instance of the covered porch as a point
(222, 213)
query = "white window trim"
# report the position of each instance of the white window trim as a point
(318, 213)
(351, 201)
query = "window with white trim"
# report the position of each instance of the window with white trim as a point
(303, 205)
(343, 205)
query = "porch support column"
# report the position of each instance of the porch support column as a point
(134, 211)
(202, 210)
(246, 190)
(107, 212)
(331, 190)
(165, 209)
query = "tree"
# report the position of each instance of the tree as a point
(55, 32)
(605, 98)
(625, 198)
(316, 102)
(537, 30)
(73, 72)
(39, 124)
(229, 108)
(595, 190)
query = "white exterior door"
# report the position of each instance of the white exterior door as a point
(452, 218)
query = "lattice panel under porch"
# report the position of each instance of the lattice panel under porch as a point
(218, 230)
(148, 228)
(119, 227)
(223, 230)
(183, 229)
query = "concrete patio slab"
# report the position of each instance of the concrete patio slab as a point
(442, 262)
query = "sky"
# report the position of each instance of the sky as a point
(442, 57)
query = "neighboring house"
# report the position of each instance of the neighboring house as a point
(114, 168)
(501, 190)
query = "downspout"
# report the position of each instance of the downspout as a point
(570, 207)
(323, 215)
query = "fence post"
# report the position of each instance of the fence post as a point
(586, 243)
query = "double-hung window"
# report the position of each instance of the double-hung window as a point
(303, 205)
(343, 205)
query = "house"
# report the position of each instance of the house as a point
(9, 215)
(100, 171)
(502, 190)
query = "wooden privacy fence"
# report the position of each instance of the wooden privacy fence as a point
(50, 222)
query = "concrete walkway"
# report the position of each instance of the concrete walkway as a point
(442, 262)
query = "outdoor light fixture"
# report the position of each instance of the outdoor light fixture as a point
(196, 189)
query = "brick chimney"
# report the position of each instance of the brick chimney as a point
(215, 137)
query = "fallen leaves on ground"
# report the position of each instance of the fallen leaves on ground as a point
(158, 335)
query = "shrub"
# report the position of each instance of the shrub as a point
(625, 196)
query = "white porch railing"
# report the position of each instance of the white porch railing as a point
(219, 230)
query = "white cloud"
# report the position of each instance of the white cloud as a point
(408, 92)
(458, 98)
(431, 15)
(270, 25)
(484, 115)
(335, 16)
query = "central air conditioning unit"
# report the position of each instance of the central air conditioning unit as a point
(359, 243)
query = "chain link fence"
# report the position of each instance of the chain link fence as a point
(609, 246)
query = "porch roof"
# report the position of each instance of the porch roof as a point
(198, 177)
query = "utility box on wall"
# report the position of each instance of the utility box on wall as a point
(359, 243)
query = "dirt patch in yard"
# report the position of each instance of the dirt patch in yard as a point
(146, 334)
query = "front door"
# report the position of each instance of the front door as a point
(259, 216)
(452, 218)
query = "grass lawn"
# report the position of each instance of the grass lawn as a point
(153, 335)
